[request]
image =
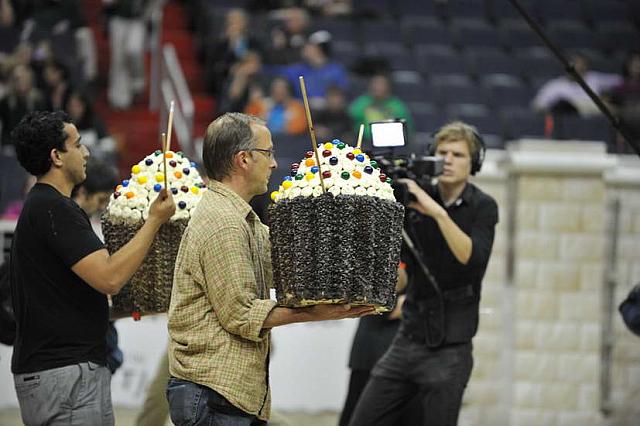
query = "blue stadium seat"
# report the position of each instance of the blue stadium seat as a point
(500, 10)
(549, 11)
(460, 89)
(598, 11)
(595, 128)
(537, 63)
(439, 60)
(418, 8)
(485, 61)
(387, 31)
(517, 34)
(340, 29)
(470, 33)
(505, 93)
(573, 35)
(618, 36)
(466, 9)
(378, 8)
(414, 92)
(398, 56)
(426, 31)
(428, 121)
(521, 123)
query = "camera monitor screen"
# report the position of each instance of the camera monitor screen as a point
(388, 134)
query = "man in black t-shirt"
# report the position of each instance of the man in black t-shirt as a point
(60, 275)
(452, 227)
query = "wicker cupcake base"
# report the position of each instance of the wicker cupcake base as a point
(342, 249)
(149, 290)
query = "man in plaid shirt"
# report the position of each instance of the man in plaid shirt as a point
(221, 315)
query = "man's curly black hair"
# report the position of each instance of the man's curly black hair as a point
(36, 135)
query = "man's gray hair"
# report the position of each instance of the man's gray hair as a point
(226, 136)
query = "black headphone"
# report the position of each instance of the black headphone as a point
(476, 159)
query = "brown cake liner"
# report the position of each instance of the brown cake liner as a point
(336, 249)
(149, 289)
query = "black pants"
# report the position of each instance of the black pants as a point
(411, 415)
(409, 368)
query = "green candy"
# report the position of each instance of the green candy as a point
(345, 175)
(299, 176)
(374, 164)
(341, 145)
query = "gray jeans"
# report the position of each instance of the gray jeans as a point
(78, 394)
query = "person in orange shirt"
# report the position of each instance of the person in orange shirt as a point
(280, 110)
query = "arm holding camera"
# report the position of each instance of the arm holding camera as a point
(459, 242)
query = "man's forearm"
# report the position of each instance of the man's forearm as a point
(459, 243)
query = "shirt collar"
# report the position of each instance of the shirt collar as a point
(236, 200)
(465, 196)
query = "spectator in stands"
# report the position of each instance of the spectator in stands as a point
(562, 95)
(127, 38)
(91, 127)
(280, 110)
(288, 40)
(13, 209)
(319, 71)
(235, 44)
(378, 104)
(22, 97)
(244, 78)
(7, 14)
(334, 121)
(55, 76)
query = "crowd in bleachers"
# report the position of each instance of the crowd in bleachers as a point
(475, 60)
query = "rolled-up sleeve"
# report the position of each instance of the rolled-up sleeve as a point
(483, 232)
(230, 283)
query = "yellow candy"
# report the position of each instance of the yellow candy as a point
(274, 194)
(357, 151)
(168, 154)
(118, 188)
(328, 145)
(195, 189)
(135, 169)
(309, 176)
(159, 177)
(142, 179)
(356, 174)
(310, 162)
(287, 184)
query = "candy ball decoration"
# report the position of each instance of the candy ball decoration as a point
(149, 290)
(338, 246)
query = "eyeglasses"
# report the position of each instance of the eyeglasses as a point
(270, 153)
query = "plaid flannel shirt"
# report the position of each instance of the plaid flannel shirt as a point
(220, 300)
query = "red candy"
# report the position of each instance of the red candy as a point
(309, 154)
(350, 155)
(326, 153)
(383, 177)
(326, 174)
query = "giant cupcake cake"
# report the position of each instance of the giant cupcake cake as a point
(149, 290)
(335, 239)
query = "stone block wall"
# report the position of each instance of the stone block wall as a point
(538, 351)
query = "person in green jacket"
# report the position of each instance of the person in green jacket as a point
(379, 103)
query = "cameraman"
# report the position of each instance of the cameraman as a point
(452, 227)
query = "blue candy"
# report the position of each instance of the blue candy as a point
(182, 204)
(157, 187)
(125, 182)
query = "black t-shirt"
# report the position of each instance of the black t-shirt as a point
(61, 320)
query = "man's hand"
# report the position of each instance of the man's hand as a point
(163, 207)
(337, 312)
(424, 203)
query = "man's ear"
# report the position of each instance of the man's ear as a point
(241, 159)
(55, 157)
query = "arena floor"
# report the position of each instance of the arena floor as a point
(127, 416)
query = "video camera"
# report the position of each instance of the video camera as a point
(390, 134)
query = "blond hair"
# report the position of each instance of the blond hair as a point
(459, 131)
